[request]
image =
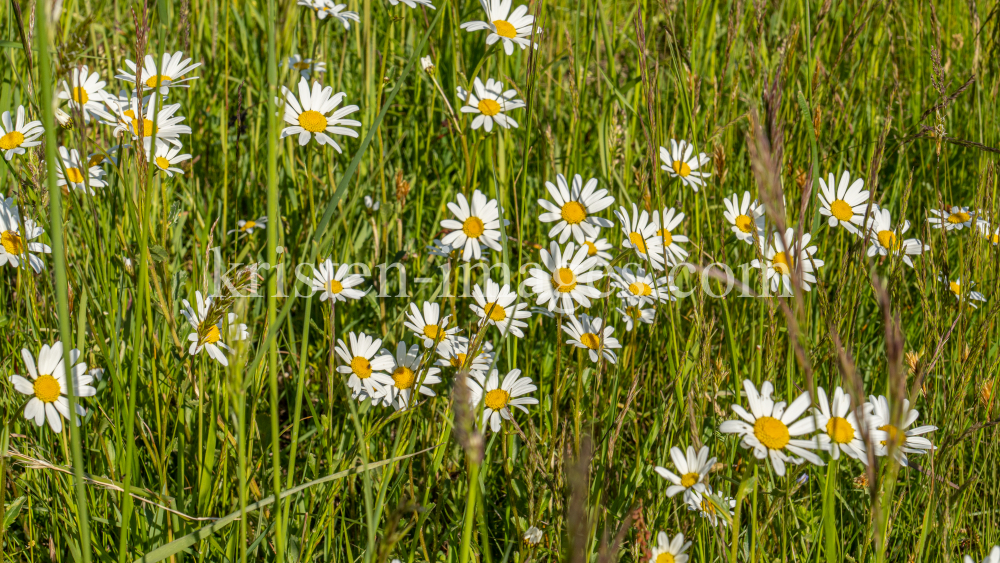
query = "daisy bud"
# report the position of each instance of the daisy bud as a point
(427, 64)
(64, 119)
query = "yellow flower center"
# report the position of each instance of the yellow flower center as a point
(334, 287)
(665, 558)
(782, 263)
(73, 175)
(574, 212)
(248, 225)
(744, 223)
(147, 127)
(458, 361)
(11, 140)
(212, 336)
(312, 121)
(640, 289)
(361, 367)
(162, 162)
(637, 241)
(563, 280)
(301, 65)
(504, 29)
(995, 239)
(47, 389)
(162, 79)
(955, 288)
(95, 159)
(432, 331)
(592, 248)
(633, 312)
(668, 239)
(495, 312)
(960, 217)
(681, 169)
(404, 377)
(689, 480)
(12, 243)
(888, 240)
(708, 507)
(771, 432)
(841, 210)
(497, 399)
(839, 430)
(590, 340)
(488, 107)
(892, 431)
(80, 95)
(473, 227)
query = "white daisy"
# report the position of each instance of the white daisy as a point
(706, 506)
(504, 25)
(598, 248)
(48, 385)
(770, 427)
(166, 158)
(85, 93)
(962, 293)
(691, 472)
(430, 327)
(984, 229)
(249, 226)
(955, 218)
(414, 3)
(496, 307)
(479, 223)
(72, 173)
(678, 163)
(897, 438)
(453, 353)
(171, 73)
(533, 535)
(669, 551)
(563, 284)
(993, 557)
(641, 287)
(336, 285)
(633, 314)
(887, 239)
(207, 333)
(781, 259)
(665, 233)
(372, 205)
(574, 208)
(168, 127)
(491, 102)
(307, 115)
(747, 218)
(840, 428)
(16, 247)
(844, 203)
(305, 67)
(408, 376)
(640, 235)
(499, 396)
(328, 9)
(17, 136)
(591, 334)
(368, 368)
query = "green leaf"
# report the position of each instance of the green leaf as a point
(11, 513)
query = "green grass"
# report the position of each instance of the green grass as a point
(181, 458)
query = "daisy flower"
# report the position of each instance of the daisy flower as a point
(709, 510)
(453, 352)
(770, 427)
(167, 158)
(168, 127)
(888, 240)
(47, 387)
(591, 334)
(633, 314)
(207, 333)
(367, 368)
(249, 226)
(73, 174)
(642, 287)
(692, 469)
(961, 293)
(678, 163)
(839, 427)
(955, 218)
(747, 218)
(430, 327)
(309, 115)
(844, 203)
(664, 232)
(414, 3)
(372, 205)
(16, 247)
(993, 557)
(496, 307)
(17, 136)
(85, 93)
(336, 285)
(510, 27)
(479, 223)
(305, 67)
(533, 535)
(669, 551)
(984, 229)
(897, 438)
(491, 102)
(640, 235)
(598, 248)
(328, 9)
(499, 396)
(574, 208)
(408, 376)
(563, 282)
(171, 73)
(781, 259)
